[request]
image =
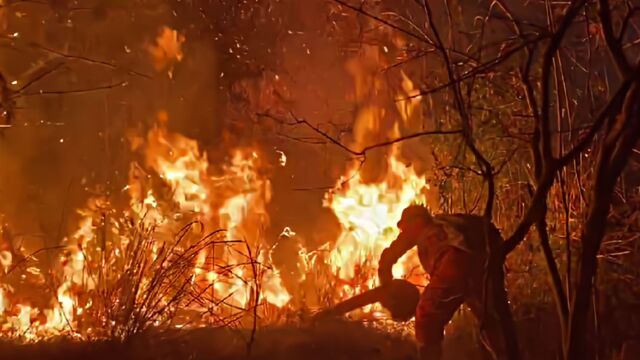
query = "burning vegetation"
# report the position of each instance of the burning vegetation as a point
(203, 177)
(154, 263)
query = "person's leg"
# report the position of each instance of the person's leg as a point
(488, 321)
(445, 293)
(435, 309)
(490, 334)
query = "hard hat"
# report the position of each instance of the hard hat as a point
(412, 212)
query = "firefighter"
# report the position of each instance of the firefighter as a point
(453, 251)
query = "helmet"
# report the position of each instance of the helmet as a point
(412, 212)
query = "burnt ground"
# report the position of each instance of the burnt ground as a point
(332, 340)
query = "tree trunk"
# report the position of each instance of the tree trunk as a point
(494, 288)
(621, 137)
(555, 281)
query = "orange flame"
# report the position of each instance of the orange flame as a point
(369, 211)
(368, 214)
(176, 185)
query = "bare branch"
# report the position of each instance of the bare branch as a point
(364, 150)
(486, 66)
(548, 175)
(625, 23)
(74, 91)
(485, 165)
(408, 137)
(547, 62)
(613, 43)
(16, 2)
(613, 156)
(304, 140)
(413, 35)
(616, 101)
(77, 57)
(507, 159)
(360, 10)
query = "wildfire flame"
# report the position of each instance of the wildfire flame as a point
(369, 211)
(180, 164)
(109, 265)
(239, 195)
(369, 214)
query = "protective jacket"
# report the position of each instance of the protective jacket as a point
(462, 231)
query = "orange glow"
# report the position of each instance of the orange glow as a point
(369, 211)
(110, 264)
(96, 257)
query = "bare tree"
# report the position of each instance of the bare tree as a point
(616, 124)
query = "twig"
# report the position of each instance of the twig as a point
(625, 23)
(426, 40)
(364, 150)
(40, 77)
(485, 165)
(360, 10)
(256, 282)
(75, 91)
(554, 44)
(486, 66)
(30, 256)
(548, 177)
(613, 43)
(16, 2)
(78, 57)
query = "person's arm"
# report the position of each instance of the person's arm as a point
(391, 255)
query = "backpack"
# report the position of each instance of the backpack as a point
(472, 228)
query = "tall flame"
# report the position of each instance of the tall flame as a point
(178, 161)
(368, 214)
(235, 274)
(369, 210)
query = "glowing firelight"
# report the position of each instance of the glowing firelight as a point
(5, 260)
(3, 301)
(234, 199)
(369, 214)
(178, 184)
(369, 211)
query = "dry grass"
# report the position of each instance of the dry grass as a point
(332, 340)
(335, 340)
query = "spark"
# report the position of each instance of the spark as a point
(282, 159)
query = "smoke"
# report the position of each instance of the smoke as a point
(236, 63)
(69, 140)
